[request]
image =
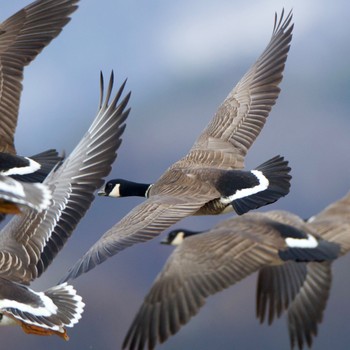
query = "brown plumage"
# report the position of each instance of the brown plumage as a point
(22, 38)
(208, 262)
(210, 175)
(30, 242)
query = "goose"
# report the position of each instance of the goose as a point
(293, 258)
(209, 179)
(30, 242)
(22, 37)
(16, 194)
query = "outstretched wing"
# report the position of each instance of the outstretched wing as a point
(300, 289)
(30, 242)
(201, 266)
(22, 37)
(242, 115)
(141, 224)
(333, 223)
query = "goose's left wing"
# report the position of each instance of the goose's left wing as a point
(242, 115)
(30, 242)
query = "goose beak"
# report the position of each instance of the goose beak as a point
(101, 192)
(165, 241)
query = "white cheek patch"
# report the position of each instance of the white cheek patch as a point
(32, 167)
(307, 243)
(178, 239)
(262, 186)
(115, 192)
(311, 219)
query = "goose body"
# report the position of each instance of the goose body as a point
(209, 179)
(226, 190)
(30, 242)
(292, 256)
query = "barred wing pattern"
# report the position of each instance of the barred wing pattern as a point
(201, 266)
(22, 37)
(141, 224)
(300, 289)
(241, 117)
(30, 242)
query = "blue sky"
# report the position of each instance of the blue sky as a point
(182, 59)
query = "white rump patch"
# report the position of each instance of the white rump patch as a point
(12, 187)
(245, 192)
(25, 193)
(309, 242)
(32, 167)
(47, 310)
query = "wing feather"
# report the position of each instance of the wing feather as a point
(22, 38)
(242, 115)
(201, 266)
(36, 238)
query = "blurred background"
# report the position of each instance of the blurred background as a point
(182, 59)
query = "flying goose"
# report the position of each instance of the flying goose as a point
(209, 179)
(22, 37)
(29, 243)
(278, 244)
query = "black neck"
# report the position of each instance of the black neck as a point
(191, 233)
(134, 189)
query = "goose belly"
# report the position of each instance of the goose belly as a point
(214, 207)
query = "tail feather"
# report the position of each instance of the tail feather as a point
(276, 170)
(46, 312)
(69, 304)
